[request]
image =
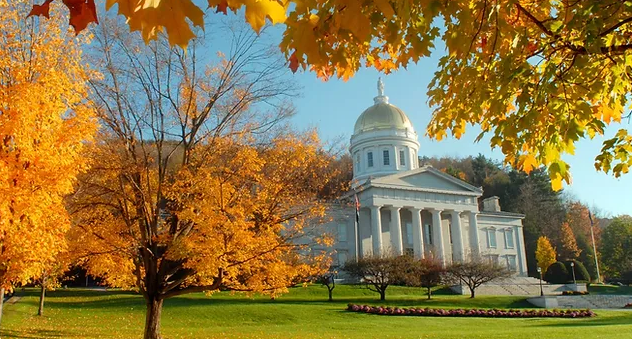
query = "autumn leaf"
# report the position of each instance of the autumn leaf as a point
(293, 62)
(527, 163)
(82, 13)
(42, 9)
(258, 10)
(222, 7)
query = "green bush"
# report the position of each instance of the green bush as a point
(581, 273)
(557, 273)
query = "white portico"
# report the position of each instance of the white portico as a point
(421, 211)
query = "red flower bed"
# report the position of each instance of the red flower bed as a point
(490, 313)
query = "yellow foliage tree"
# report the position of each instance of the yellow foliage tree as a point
(44, 124)
(545, 254)
(197, 187)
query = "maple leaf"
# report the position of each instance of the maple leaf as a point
(258, 10)
(293, 62)
(82, 13)
(222, 7)
(42, 9)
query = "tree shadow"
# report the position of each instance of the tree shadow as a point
(623, 319)
(33, 334)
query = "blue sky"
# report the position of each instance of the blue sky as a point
(334, 106)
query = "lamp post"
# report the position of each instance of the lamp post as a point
(573, 269)
(541, 291)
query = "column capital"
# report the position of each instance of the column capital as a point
(435, 211)
(394, 208)
(455, 213)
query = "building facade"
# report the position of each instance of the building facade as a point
(405, 208)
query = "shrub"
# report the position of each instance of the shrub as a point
(581, 274)
(574, 292)
(490, 313)
(556, 273)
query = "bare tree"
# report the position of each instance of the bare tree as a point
(377, 273)
(475, 272)
(328, 280)
(427, 273)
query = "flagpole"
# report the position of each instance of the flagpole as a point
(592, 235)
(357, 227)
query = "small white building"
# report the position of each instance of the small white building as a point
(421, 211)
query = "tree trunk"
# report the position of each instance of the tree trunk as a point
(40, 311)
(152, 318)
(1, 303)
(382, 295)
(429, 292)
(331, 298)
(471, 292)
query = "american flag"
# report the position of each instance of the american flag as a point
(357, 208)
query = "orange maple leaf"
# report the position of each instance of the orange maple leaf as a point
(42, 9)
(293, 62)
(82, 12)
(222, 7)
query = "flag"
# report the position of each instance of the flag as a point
(590, 217)
(357, 208)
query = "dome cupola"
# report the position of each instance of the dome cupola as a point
(384, 140)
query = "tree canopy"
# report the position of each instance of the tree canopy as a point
(45, 121)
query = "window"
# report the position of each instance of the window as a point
(428, 233)
(342, 232)
(493, 259)
(387, 159)
(409, 251)
(511, 262)
(491, 237)
(409, 233)
(342, 258)
(509, 239)
(402, 158)
(369, 159)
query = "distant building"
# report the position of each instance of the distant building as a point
(421, 211)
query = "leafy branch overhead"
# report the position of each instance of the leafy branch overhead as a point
(535, 75)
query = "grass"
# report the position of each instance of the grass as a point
(303, 313)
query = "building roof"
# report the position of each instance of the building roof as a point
(382, 115)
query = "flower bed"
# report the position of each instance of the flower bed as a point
(574, 292)
(628, 305)
(490, 313)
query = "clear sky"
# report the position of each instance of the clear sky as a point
(334, 106)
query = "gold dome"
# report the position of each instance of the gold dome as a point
(382, 115)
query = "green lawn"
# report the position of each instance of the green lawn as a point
(303, 313)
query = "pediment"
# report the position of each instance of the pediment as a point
(427, 178)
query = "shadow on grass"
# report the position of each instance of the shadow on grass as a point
(33, 334)
(112, 299)
(622, 319)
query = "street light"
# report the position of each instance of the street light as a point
(541, 291)
(573, 269)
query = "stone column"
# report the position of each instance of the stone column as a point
(376, 230)
(396, 231)
(522, 260)
(474, 245)
(418, 239)
(457, 238)
(437, 235)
